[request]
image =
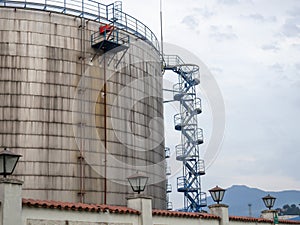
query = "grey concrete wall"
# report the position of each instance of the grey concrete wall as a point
(56, 105)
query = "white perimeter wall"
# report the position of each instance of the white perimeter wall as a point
(42, 216)
(46, 216)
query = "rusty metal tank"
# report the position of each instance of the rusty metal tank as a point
(83, 118)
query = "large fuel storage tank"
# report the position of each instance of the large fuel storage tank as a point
(83, 117)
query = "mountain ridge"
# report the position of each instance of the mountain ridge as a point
(238, 197)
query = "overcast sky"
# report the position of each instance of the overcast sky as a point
(252, 48)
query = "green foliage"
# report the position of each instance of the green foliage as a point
(289, 210)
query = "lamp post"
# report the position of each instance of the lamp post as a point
(220, 210)
(217, 194)
(10, 190)
(141, 203)
(8, 162)
(138, 181)
(269, 201)
(270, 214)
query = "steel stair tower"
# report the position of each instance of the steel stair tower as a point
(191, 136)
(169, 205)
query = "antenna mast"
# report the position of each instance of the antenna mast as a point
(161, 32)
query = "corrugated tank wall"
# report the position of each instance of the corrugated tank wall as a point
(61, 110)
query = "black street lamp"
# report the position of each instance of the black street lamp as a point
(269, 201)
(8, 162)
(138, 182)
(217, 194)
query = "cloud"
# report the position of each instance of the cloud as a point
(233, 2)
(216, 70)
(297, 66)
(229, 2)
(256, 17)
(220, 33)
(260, 18)
(191, 21)
(277, 68)
(296, 84)
(204, 12)
(296, 46)
(255, 82)
(297, 71)
(294, 12)
(291, 27)
(270, 47)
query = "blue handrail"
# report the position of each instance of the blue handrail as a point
(92, 10)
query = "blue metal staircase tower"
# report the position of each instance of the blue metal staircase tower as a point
(191, 136)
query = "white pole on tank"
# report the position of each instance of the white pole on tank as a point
(161, 31)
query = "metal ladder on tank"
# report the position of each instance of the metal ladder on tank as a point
(191, 136)
(110, 38)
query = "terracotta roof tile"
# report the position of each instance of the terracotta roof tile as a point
(124, 210)
(249, 219)
(157, 212)
(78, 206)
(289, 221)
(260, 220)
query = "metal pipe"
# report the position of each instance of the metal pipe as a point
(105, 133)
(82, 102)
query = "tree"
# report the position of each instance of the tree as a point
(290, 210)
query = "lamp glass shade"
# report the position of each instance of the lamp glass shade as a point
(138, 182)
(217, 194)
(8, 162)
(269, 201)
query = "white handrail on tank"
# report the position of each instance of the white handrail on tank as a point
(91, 10)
